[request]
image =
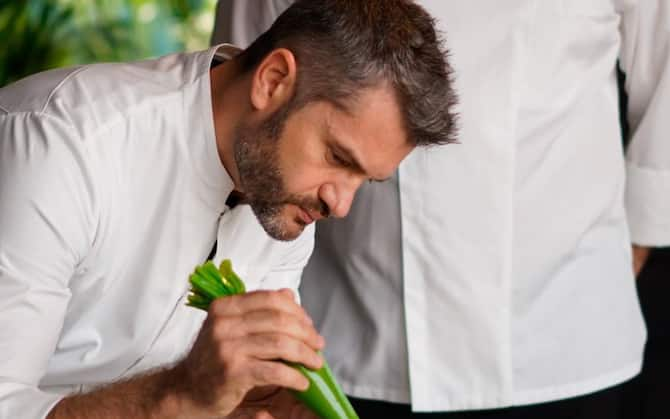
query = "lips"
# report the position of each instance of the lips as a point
(308, 217)
(304, 216)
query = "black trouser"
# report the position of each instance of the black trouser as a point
(648, 395)
(605, 404)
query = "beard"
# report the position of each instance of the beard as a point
(256, 152)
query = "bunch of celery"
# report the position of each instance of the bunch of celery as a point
(323, 396)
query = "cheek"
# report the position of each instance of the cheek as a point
(303, 168)
(302, 180)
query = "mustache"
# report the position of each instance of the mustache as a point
(309, 204)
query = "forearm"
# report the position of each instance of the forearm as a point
(237, 350)
(640, 256)
(160, 394)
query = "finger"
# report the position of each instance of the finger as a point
(257, 300)
(261, 322)
(269, 321)
(289, 293)
(271, 346)
(272, 373)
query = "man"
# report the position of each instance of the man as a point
(498, 273)
(113, 178)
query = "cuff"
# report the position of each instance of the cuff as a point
(648, 205)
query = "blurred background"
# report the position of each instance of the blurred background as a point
(37, 35)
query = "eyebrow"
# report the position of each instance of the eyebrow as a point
(346, 153)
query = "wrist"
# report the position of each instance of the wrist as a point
(169, 405)
(172, 398)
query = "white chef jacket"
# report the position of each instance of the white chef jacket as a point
(514, 246)
(111, 191)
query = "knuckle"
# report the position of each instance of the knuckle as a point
(277, 342)
(236, 371)
(310, 356)
(228, 357)
(218, 306)
(307, 353)
(274, 374)
(308, 332)
(219, 329)
(222, 356)
(287, 293)
(273, 299)
(281, 321)
(306, 317)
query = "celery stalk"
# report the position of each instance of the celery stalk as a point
(324, 395)
(226, 269)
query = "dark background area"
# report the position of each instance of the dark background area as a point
(649, 394)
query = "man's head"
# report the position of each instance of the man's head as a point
(340, 91)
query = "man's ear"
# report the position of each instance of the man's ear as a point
(274, 80)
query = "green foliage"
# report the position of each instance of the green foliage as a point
(37, 35)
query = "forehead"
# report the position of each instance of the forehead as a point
(369, 109)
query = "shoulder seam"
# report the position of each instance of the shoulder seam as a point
(53, 91)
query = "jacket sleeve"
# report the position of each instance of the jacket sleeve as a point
(43, 233)
(645, 58)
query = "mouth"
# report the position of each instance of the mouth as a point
(306, 216)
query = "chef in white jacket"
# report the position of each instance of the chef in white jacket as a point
(113, 186)
(499, 272)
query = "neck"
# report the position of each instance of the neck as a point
(228, 88)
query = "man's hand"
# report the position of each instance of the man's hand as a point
(271, 403)
(640, 256)
(239, 348)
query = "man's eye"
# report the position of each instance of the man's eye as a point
(337, 159)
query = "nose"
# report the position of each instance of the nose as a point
(339, 197)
